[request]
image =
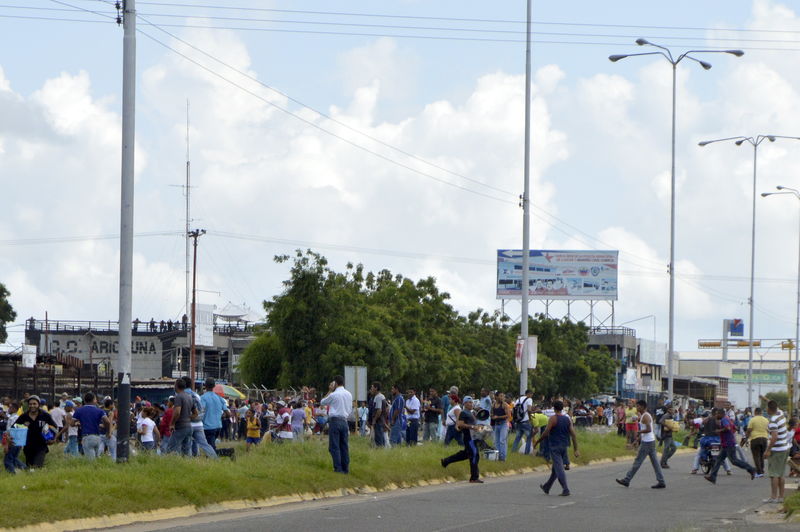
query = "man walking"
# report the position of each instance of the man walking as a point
(647, 448)
(412, 414)
(340, 403)
(522, 421)
(558, 432)
(93, 421)
(199, 442)
(396, 416)
(181, 423)
(777, 452)
(432, 410)
(727, 436)
(213, 407)
(465, 423)
(757, 434)
(667, 425)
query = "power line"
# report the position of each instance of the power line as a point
(85, 238)
(325, 115)
(319, 127)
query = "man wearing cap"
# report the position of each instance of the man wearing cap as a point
(38, 422)
(214, 406)
(466, 423)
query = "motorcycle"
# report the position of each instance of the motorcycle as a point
(710, 456)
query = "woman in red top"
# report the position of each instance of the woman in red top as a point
(163, 426)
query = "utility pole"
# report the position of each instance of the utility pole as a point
(126, 226)
(526, 206)
(197, 233)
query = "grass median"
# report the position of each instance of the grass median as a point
(70, 488)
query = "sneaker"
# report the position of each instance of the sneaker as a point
(708, 478)
(564, 494)
(476, 481)
(664, 466)
(442, 462)
(769, 501)
(546, 491)
(694, 471)
(659, 486)
(759, 475)
(622, 482)
(729, 473)
(752, 475)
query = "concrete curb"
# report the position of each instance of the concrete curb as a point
(124, 519)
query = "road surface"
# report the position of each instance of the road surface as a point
(516, 503)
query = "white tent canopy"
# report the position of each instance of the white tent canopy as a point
(233, 312)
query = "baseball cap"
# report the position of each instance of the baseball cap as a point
(467, 399)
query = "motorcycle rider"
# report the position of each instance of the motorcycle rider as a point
(710, 437)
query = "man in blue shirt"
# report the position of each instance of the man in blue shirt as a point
(396, 416)
(213, 406)
(92, 420)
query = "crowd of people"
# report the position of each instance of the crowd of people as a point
(191, 424)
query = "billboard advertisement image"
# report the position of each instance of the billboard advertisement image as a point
(589, 275)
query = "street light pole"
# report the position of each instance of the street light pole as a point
(667, 54)
(755, 142)
(796, 372)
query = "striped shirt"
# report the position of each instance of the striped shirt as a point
(777, 424)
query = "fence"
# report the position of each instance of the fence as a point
(50, 380)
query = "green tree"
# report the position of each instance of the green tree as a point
(7, 313)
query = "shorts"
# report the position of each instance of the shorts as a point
(253, 440)
(631, 427)
(776, 463)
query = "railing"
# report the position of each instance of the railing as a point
(622, 331)
(138, 326)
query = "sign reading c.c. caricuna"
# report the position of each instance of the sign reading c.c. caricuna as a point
(588, 275)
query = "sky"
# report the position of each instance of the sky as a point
(391, 134)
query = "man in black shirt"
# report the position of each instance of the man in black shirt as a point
(432, 410)
(38, 422)
(466, 423)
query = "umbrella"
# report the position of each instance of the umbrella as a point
(223, 390)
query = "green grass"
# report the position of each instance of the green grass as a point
(792, 503)
(72, 487)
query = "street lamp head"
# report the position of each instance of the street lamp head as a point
(739, 142)
(780, 187)
(771, 138)
(737, 53)
(765, 194)
(705, 143)
(615, 58)
(642, 42)
(706, 66)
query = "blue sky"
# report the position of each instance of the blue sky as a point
(601, 151)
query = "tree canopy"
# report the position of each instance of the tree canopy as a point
(406, 332)
(7, 313)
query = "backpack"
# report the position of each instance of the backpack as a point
(519, 410)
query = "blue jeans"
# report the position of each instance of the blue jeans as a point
(453, 434)
(181, 441)
(412, 431)
(199, 443)
(559, 456)
(523, 428)
(11, 460)
(647, 449)
(730, 454)
(396, 434)
(338, 444)
(91, 446)
(501, 440)
(380, 436)
(211, 437)
(71, 448)
(109, 443)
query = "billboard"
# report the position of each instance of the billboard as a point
(204, 333)
(653, 353)
(588, 275)
(736, 327)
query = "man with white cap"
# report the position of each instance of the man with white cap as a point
(466, 423)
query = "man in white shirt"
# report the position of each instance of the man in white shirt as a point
(340, 403)
(412, 416)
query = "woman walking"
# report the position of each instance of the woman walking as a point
(501, 415)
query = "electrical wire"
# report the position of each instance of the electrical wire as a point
(321, 128)
(84, 238)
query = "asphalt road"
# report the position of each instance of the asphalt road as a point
(516, 503)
